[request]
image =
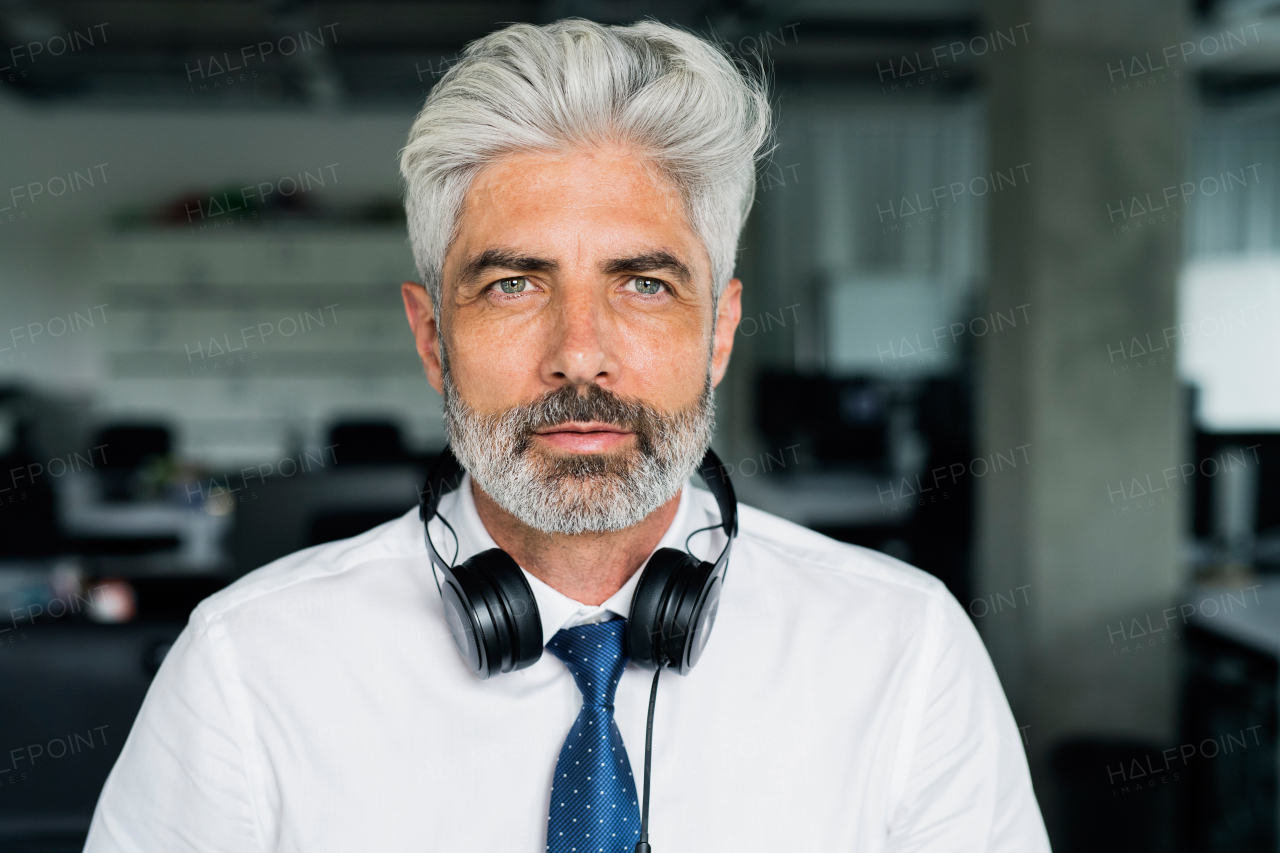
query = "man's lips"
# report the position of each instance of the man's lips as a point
(584, 437)
(574, 426)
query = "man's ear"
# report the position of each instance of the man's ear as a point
(727, 317)
(426, 334)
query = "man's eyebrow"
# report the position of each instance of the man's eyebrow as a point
(491, 259)
(648, 262)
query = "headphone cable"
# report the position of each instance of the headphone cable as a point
(453, 561)
(688, 538)
(642, 846)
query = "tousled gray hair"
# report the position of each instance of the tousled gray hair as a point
(675, 98)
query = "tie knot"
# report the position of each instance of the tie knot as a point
(594, 654)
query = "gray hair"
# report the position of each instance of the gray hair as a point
(676, 98)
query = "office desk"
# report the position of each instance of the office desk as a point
(1229, 696)
(73, 687)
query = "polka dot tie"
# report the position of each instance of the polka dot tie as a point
(593, 798)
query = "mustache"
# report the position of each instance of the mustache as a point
(584, 402)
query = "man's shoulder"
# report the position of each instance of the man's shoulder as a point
(805, 556)
(318, 573)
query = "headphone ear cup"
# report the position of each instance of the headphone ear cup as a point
(668, 609)
(646, 642)
(493, 614)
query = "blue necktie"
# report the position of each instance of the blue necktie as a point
(593, 797)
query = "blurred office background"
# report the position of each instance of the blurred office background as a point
(1011, 314)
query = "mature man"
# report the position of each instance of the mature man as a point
(575, 194)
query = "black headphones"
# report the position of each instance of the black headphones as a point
(494, 618)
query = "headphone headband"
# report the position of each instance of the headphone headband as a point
(445, 476)
(717, 479)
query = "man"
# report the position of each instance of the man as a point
(575, 194)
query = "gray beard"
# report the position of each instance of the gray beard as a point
(587, 493)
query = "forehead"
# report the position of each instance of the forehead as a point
(581, 203)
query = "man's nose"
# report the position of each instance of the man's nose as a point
(580, 346)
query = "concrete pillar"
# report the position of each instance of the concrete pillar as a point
(1070, 525)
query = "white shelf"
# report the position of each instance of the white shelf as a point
(249, 343)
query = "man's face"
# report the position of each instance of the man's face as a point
(572, 271)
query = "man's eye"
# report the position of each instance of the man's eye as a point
(513, 285)
(648, 286)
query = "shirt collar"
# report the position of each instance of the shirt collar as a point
(556, 609)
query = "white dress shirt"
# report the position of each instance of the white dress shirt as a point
(844, 702)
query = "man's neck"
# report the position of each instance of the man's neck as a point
(587, 567)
